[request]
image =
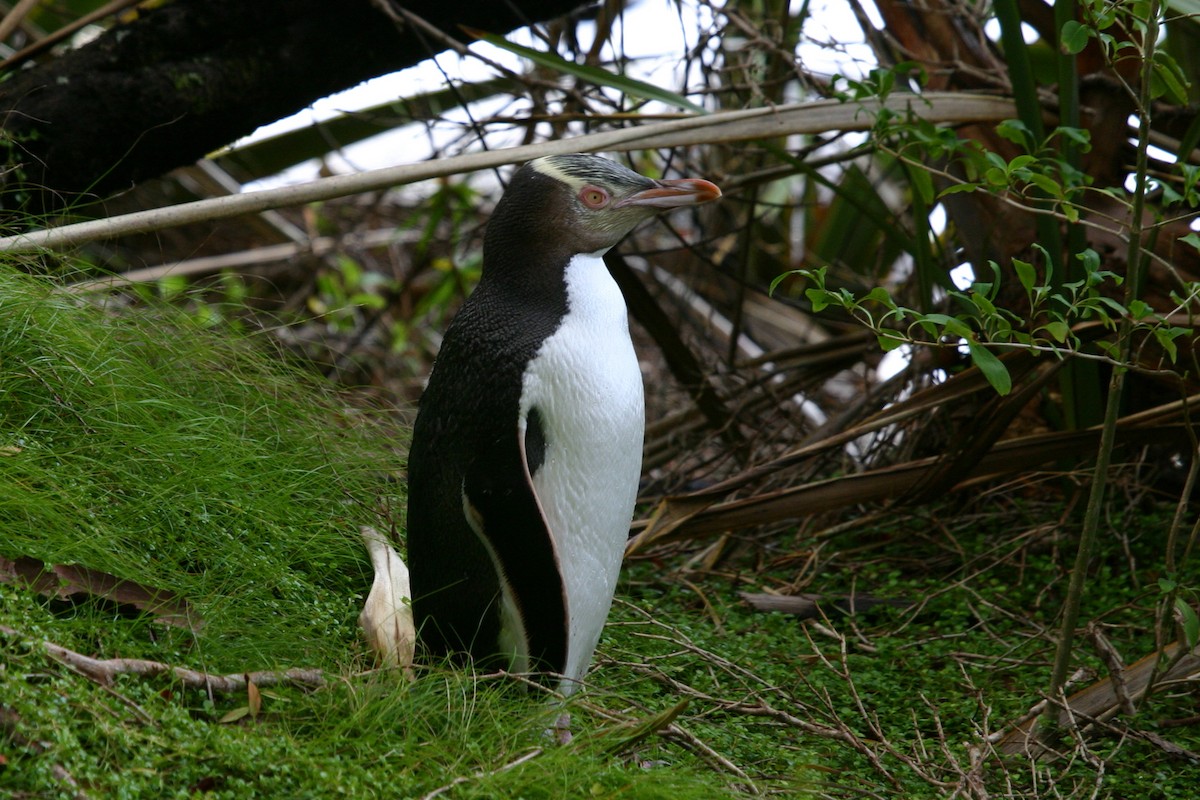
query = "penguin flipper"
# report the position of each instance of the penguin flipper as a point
(503, 509)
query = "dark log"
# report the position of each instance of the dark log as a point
(188, 77)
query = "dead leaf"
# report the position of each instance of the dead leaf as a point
(809, 606)
(70, 581)
(704, 513)
(1102, 701)
(241, 712)
(253, 698)
(642, 729)
(387, 618)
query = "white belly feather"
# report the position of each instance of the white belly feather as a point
(587, 387)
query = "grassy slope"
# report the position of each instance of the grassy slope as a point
(145, 447)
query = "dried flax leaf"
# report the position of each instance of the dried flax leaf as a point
(811, 606)
(710, 511)
(643, 729)
(69, 581)
(1103, 699)
(693, 516)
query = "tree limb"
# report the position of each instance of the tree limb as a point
(190, 76)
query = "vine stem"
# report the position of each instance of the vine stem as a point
(1095, 503)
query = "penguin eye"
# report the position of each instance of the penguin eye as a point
(593, 197)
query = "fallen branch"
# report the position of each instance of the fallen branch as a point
(254, 257)
(732, 126)
(103, 671)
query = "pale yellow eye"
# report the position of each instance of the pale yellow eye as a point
(593, 197)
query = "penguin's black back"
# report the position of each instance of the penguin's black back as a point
(466, 437)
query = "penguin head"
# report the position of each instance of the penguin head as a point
(583, 203)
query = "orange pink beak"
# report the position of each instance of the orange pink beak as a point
(673, 193)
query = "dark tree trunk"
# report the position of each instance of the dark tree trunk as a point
(193, 75)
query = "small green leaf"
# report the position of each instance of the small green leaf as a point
(1025, 274)
(1078, 136)
(1167, 342)
(1020, 162)
(992, 367)
(1140, 309)
(879, 295)
(368, 300)
(986, 307)
(1089, 258)
(890, 341)
(819, 299)
(1167, 585)
(996, 177)
(1057, 330)
(171, 286)
(352, 272)
(1016, 132)
(1114, 305)
(1168, 78)
(1045, 183)
(956, 327)
(958, 188)
(241, 712)
(780, 279)
(1074, 37)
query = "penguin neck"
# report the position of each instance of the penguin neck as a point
(510, 267)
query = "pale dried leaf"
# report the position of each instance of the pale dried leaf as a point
(387, 618)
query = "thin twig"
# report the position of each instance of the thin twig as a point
(1112, 410)
(532, 754)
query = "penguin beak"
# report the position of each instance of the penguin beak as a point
(672, 194)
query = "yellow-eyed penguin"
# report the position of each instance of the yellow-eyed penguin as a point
(527, 448)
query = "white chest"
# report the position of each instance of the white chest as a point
(587, 387)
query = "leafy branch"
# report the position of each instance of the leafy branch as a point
(1058, 314)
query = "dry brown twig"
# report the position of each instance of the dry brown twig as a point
(104, 671)
(526, 757)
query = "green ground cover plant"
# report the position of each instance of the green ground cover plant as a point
(146, 447)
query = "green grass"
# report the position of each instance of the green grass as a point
(144, 446)
(141, 445)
